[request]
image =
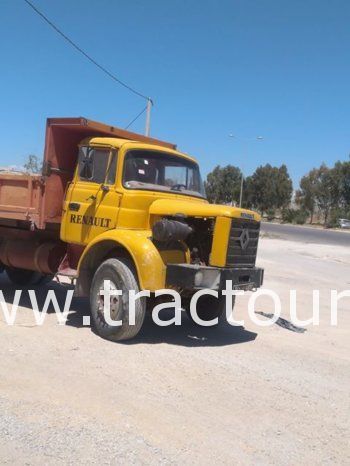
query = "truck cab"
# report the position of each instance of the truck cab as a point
(116, 182)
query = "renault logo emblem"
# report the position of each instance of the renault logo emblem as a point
(244, 239)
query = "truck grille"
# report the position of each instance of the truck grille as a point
(243, 243)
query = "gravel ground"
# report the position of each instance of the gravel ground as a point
(183, 395)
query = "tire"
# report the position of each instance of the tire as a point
(209, 308)
(122, 277)
(23, 277)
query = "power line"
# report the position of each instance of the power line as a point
(133, 121)
(102, 68)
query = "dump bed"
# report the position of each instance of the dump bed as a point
(20, 197)
(38, 199)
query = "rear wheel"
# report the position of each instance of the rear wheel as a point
(121, 276)
(23, 277)
(209, 308)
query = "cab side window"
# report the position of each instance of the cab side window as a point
(97, 165)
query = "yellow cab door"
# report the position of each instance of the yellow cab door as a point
(92, 201)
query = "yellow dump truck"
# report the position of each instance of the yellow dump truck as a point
(118, 206)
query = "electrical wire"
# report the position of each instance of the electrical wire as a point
(133, 121)
(92, 60)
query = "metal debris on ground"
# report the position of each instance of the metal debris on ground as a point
(283, 322)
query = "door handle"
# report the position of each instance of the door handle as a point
(75, 206)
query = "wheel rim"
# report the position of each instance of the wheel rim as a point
(114, 302)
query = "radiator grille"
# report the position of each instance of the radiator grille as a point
(243, 243)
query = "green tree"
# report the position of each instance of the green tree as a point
(327, 189)
(341, 190)
(33, 165)
(284, 187)
(223, 184)
(325, 193)
(306, 195)
(269, 188)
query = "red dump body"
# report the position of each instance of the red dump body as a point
(38, 199)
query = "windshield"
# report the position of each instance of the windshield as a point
(160, 171)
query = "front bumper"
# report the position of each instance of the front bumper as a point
(190, 276)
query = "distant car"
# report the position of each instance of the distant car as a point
(344, 223)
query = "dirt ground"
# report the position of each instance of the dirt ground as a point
(183, 395)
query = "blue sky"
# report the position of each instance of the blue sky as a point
(273, 68)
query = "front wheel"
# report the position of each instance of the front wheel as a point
(121, 276)
(209, 308)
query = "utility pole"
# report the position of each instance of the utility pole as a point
(148, 116)
(241, 191)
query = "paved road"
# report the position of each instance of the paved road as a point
(306, 234)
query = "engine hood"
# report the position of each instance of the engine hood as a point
(199, 209)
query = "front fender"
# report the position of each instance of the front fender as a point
(150, 268)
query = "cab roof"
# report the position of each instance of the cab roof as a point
(119, 142)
